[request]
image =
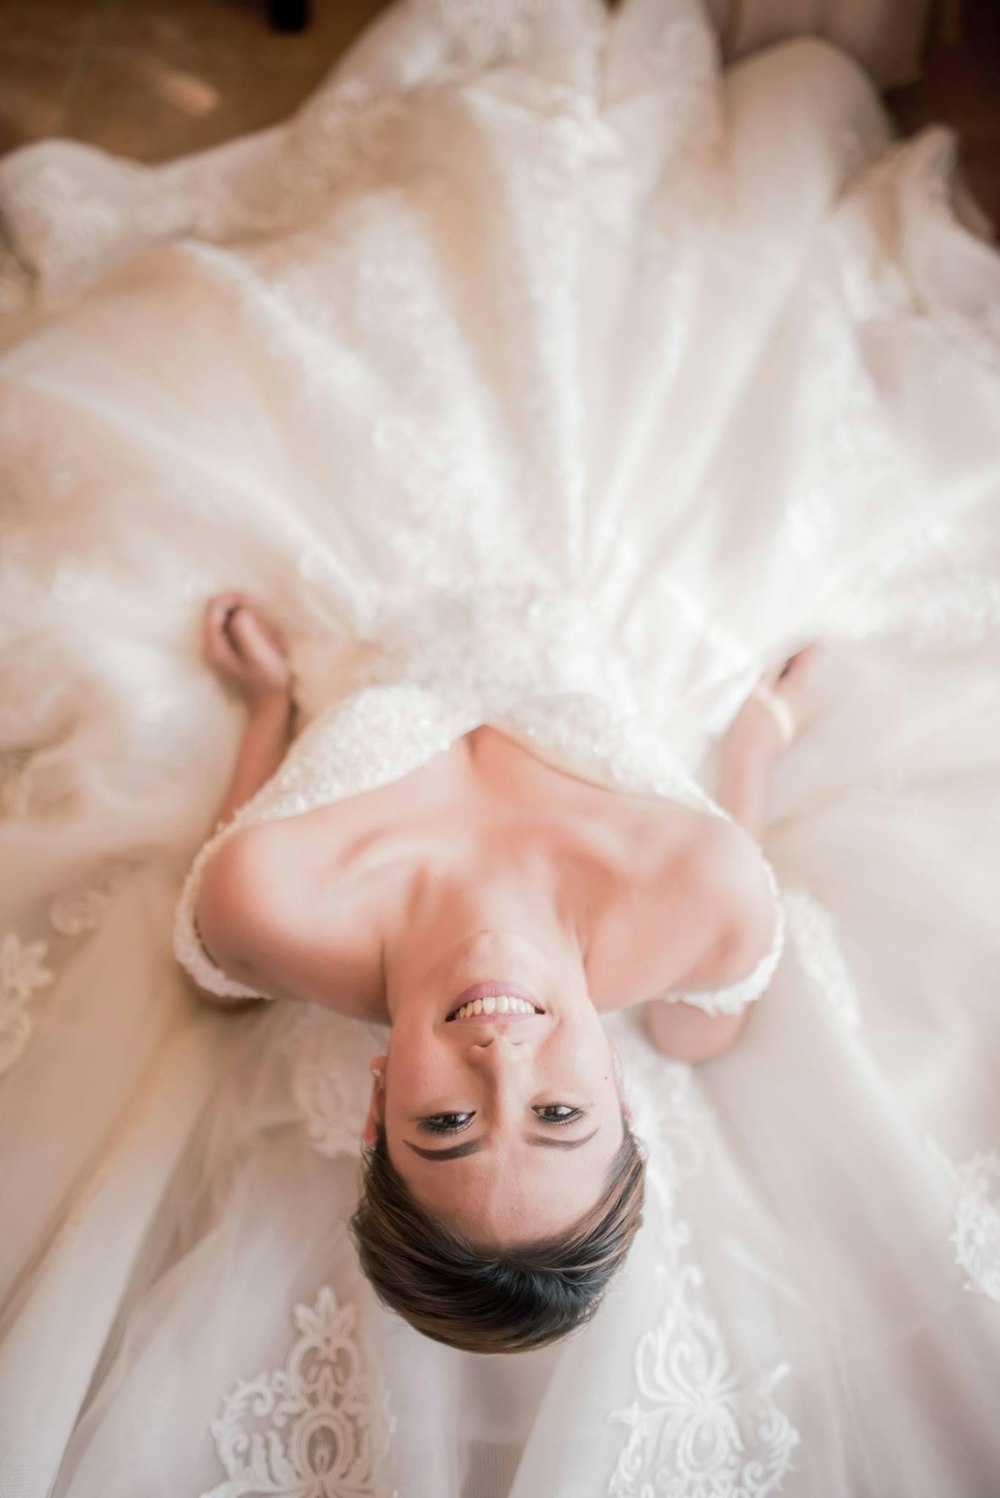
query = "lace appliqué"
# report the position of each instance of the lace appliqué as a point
(329, 1081)
(940, 591)
(482, 33)
(814, 937)
(699, 1428)
(976, 1233)
(74, 212)
(22, 974)
(315, 1428)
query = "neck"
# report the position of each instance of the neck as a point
(515, 914)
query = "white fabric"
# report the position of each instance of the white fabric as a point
(525, 296)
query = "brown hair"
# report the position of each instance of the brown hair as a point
(512, 1300)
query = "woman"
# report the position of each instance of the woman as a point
(548, 387)
(489, 909)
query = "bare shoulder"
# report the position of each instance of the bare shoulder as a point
(245, 903)
(273, 915)
(726, 874)
(695, 910)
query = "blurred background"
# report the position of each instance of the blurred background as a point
(154, 79)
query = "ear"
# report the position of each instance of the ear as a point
(620, 1081)
(376, 1105)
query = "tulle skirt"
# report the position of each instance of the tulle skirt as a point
(522, 291)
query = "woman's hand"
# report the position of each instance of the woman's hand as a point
(777, 712)
(246, 650)
(781, 705)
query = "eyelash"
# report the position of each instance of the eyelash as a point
(435, 1124)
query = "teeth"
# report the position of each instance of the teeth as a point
(504, 1003)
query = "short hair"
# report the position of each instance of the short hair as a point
(511, 1300)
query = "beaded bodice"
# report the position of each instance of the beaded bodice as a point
(541, 674)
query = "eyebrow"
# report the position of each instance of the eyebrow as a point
(473, 1146)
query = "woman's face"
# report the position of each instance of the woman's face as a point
(503, 1125)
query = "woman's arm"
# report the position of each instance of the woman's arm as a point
(769, 722)
(268, 732)
(250, 656)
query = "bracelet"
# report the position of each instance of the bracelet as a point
(780, 711)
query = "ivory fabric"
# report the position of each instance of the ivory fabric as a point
(887, 37)
(532, 352)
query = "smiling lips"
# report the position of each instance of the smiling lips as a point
(494, 1000)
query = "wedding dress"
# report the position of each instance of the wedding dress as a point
(534, 372)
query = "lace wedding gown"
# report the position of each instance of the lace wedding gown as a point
(532, 370)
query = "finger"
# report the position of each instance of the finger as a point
(241, 627)
(213, 624)
(219, 610)
(223, 602)
(273, 635)
(800, 666)
(253, 641)
(218, 645)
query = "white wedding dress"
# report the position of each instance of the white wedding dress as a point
(532, 373)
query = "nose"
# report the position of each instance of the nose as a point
(496, 1046)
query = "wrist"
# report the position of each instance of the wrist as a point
(752, 739)
(276, 706)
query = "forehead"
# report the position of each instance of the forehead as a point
(517, 1194)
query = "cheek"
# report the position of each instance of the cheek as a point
(417, 1067)
(587, 1051)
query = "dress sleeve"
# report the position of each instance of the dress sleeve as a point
(188, 947)
(736, 996)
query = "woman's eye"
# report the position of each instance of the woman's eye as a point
(558, 1113)
(447, 1123)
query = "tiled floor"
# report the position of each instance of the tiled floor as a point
(153, 79)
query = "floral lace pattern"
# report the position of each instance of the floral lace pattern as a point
(24, 970)
(328, 1071)
(814, 939)
(313, 1429)
(22, 974)
(976, 1234)
(699, 1427)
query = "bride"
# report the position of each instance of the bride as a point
(485, 893)
(536, 391)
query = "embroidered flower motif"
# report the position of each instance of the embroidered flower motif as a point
(22, 973)
(814, 936)
(328, 1080)
(700, 1428)
(976, 1234)
(483, 33)
(78, 910)
(705, 1432)
(313, 1429)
